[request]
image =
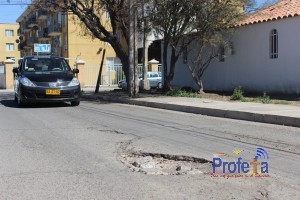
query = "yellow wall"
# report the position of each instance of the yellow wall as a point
(4, 40)
(86, 49)
(75, 45)
(9, 76)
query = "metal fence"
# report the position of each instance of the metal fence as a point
(111, 74)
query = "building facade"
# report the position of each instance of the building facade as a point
(8, 52)
(264, 55)
(66, 39)
(8, 45)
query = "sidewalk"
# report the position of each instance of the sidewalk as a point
(287, 115)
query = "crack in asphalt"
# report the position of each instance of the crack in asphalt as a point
(90, 109)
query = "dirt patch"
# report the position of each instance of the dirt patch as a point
(275, 99)
(165, 164)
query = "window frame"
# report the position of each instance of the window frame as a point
(274, 44)
(8, 47)
(10, 31)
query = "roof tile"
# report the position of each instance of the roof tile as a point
(279, 10)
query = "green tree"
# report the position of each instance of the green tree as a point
(202, 24)
(89, 14)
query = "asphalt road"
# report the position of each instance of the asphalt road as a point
(55, 151)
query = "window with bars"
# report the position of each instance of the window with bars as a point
(274, 44)
(222, 53)
(185, 55)
(9, 33)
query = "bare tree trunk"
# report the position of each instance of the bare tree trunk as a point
(145, 82)
(136, 69)
(165, 66)
(201, 88)
(132, 86)
(173, 61)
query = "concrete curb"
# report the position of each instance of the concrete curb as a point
(230, 114)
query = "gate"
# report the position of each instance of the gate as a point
(2, 77)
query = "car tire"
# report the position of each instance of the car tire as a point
(75, 103)
(20, 102)
(159, 85)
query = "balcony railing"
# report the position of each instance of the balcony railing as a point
(44, 33)
(42, 14)
(31, 41)
(55, 30)
(20, 32)
(27, 27)
(57, 51)
(32, 22)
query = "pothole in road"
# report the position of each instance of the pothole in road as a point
(165, 164)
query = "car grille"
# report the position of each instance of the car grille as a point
(47, 84)
(42, 95)
(61, 96)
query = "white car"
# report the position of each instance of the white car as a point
(153, 77)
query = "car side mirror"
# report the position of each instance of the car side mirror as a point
(75, 71)
(15, 70)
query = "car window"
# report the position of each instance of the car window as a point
(36, 64)
(155, 75)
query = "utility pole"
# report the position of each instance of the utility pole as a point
(100, 71)
(133, 63)
(146, 85)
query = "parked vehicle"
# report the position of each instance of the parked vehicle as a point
(46, 79)
(153, 77)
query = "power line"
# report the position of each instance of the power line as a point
(15, 4)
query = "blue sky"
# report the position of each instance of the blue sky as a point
(10, 12)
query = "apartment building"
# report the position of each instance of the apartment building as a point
(8, 45)
(8, 50)
(66, 39)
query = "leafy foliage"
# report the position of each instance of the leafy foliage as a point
(238, 94)
(265, 98)
(179, 23)
(183, 93)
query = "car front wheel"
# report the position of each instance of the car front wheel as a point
(75, 103)
(159, 85)
(19, 102)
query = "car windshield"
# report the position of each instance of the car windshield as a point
(40, 64)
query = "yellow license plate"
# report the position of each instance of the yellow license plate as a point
(52, 92)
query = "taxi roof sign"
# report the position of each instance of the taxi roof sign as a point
(42, 48)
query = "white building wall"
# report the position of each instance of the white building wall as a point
(251, 66)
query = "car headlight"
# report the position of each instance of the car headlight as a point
(26, 82)
(74, 82)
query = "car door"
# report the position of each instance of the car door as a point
(155, 79)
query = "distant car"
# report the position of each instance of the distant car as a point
(122, 84)
(153, 77)
(46, 79)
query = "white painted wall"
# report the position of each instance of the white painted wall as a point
(251, 66)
